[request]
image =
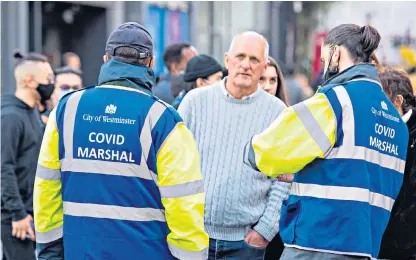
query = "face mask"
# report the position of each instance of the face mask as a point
(62, 93)
(45, 91)
(329, 73)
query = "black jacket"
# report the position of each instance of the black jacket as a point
(399, 240)
(21, 136)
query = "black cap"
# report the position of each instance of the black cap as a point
(201, 66)
(131, 35)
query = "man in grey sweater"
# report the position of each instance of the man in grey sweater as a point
(242, 207)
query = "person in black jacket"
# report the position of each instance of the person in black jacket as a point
(21, 136)
(399, 239)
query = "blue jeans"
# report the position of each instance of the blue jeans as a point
(234, 250)
(291, 253)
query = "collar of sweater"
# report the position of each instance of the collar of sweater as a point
(245, 100)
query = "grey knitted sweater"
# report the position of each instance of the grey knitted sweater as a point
(236, 196)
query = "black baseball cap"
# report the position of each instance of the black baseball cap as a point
(131, 35)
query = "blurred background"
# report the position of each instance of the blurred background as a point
(294, 29)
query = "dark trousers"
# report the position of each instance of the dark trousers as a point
(275, 248)
(14, 248)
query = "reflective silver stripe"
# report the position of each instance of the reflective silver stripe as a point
(348, 122)
(108, 168)
(69, 122)
(312, 126)
(47, 237)
(369, 155)
(152, 117)
(188, 255)
(342, 193)
(330, 251)
(182, 190)
(47, 174)
(113, 212)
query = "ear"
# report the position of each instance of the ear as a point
(29, 81)
(199, 82)
(398, 101)
(152, 62)
(105, 58)
(226, 59)
(337, 54)
(174, 67)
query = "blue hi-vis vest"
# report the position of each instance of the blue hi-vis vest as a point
(342, 204)
(112, 205)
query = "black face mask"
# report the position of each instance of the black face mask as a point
(45, 91)
(330, 72)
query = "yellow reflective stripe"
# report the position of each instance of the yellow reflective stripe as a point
(181, 190)
(178, 159)
(47, 204)
(185, 218)
(342, 193)
(50, 236)
(186, 254)
(49, 151)
(113, 212)
(47, 174)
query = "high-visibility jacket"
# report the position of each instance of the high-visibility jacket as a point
(119, 178)
(347, 145)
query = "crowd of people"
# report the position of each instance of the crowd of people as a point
(245, 161)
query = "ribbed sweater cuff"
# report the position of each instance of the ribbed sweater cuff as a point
(264, 230)
(227, 233)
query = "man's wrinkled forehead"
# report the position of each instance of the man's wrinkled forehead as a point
(249, 44)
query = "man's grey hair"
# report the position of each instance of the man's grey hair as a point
(266, 49)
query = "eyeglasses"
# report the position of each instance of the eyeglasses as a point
(68, 87)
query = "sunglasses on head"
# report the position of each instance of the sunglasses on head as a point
(68, 87)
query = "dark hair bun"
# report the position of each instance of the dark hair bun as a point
(17, 54)
(371, 39)
(17, 57)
